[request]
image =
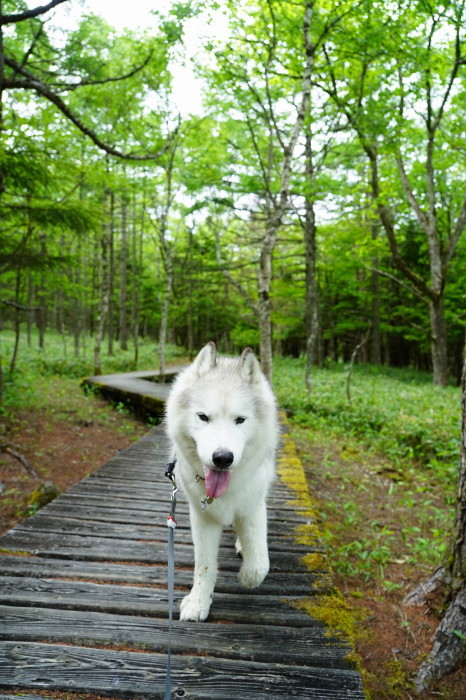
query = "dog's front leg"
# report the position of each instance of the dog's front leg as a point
(206, 535)
(252, 534)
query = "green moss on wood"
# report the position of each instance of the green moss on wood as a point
(329, 608)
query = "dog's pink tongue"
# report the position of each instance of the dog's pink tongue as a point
(216, 482)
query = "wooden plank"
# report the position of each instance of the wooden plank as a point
(158, 491)
(138, 675)
(149, 374)
(45, 523)
(33, 566)
(141, 600)
(22, 696)
(159, 505)
(281, 524)
(275, 644)
(116, 549)
(104, 513)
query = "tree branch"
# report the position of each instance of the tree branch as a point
(422, 218)
(19, 306)
(29, 14)
(21, 458)
(250, 303)
(31, 82)
(453, 242)
(412, 290)
(86, 82)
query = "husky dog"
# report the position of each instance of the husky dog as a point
(222, 421)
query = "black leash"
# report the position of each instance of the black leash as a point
(171, 523)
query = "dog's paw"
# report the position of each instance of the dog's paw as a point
(194, 607)
(252, 576)
(238, 547)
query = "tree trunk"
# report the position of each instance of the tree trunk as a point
(166, 248)
(432, 293)
(17, 323)
(134, 280)
(123, 274)
(310, 244)
(164, 317)
(264, 304)
(111, 276)
(449, 639)
(104, 292)
(376, 339)
(439, 348)
(76, 312)
(190, 321)
(458, 558)
(42, 311)
(30, 314)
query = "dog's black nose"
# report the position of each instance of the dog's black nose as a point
(222, 458)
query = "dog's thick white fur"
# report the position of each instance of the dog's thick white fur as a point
(222, 421)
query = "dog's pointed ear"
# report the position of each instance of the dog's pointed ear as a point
(250, 367)
(206, 360)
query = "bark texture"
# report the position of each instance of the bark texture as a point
(449, 643)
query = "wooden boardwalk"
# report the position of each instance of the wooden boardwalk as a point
(83, 601)
(140, 390)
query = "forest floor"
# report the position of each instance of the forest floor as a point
(71, 434)
(356, 503)
(64, 438)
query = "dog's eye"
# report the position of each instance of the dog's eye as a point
(239, 420)
(203, 417)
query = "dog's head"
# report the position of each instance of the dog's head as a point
(221, 403)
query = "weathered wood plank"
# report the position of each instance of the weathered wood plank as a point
(85, 512)
(159, 505)
(115, 549)
(139, 675)
(32, 566)
(44, 523)
(23, 696)
(137, 600)
(149, 374)
(151, 493)
(275, 644)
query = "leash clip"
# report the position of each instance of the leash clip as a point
(171, 522)
(206, 502)
(169, 470)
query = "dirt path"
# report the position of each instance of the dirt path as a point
(63, 440)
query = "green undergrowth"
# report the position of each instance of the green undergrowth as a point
(385, 465)
(399, 413)
(382, 472)
(380, 524)
(58, 359)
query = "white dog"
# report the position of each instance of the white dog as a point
(222, 421)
